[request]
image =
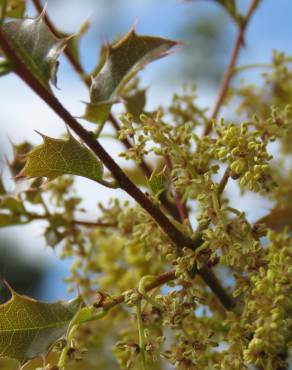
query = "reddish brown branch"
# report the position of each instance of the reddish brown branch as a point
(230, 68)
(145, 168)
(35, 217)
(160, 280)
(79, 69)
(181, 207)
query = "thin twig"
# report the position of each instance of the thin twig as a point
(160, 280)
(175, 235)
(38, 217)
(230, 68)
(181, 207)
(224, 180)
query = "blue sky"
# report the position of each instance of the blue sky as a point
(270, 28)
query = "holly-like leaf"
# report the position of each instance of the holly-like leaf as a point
(29, 328)
(120, 62)
(56, 157)
(36, 46)
(14, 8)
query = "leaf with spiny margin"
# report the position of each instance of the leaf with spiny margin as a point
(29, 328)
(120, 62)
(56, 157)
(14, 8)
(36, 46)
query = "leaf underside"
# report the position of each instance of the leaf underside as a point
(29, 328)
(57, 157)
(119, 63)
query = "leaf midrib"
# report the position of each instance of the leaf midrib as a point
(60, 324)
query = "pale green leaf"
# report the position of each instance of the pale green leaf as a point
(56, 157)
(36, 46)
(119, 63)
(29, 328)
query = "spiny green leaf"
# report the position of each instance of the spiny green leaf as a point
(14, 8)
(119, 63)
(29, 328)
(57, 157)
(37, 47)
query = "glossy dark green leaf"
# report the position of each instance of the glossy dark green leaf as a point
(56, 157)
(29, 328)
(119, 63)
(37, 47)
